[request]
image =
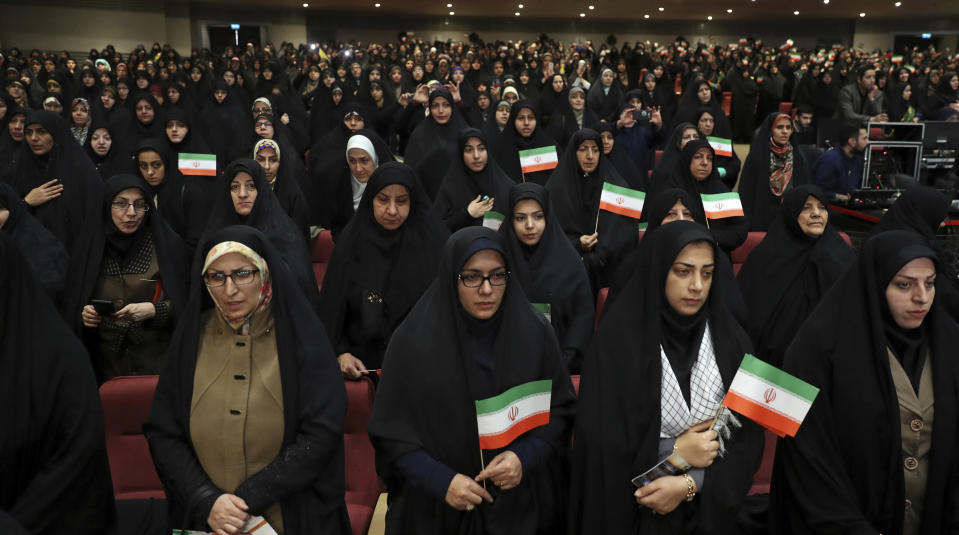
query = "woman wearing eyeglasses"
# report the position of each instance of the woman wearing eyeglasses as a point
(472, 336)
(247, 421)
(125, 286)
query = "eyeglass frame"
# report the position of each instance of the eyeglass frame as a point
(124, 207)
(232, 276)
(484, 279)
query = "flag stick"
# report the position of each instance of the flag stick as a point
(716, 416)
(596, 228)
(524, 175)
(482, 466)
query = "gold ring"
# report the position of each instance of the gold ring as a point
(469, 507)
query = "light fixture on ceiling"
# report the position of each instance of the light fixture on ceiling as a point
(825, 2)
(646, 16)
(662, 9)
(709, 17)
(520, 6)
(305, 4)
(796, 12)
(729, 11)
(898, 4)
(449, 5)
(592, 8)
(862, 15)
(517, 13)
(582, 14)
(452, 12)
(376, 4)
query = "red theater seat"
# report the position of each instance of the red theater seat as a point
(575, 379)
(740, 254)
(126, 403)
(764, 474)
(727, 102)
(786, 107)
(363, 486)
(600, 301)
(321, 249)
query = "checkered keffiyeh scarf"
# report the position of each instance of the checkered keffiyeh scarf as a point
(706, 392)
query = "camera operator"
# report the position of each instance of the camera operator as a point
(639, 129)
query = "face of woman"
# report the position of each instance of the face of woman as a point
(269, 161)
(525, 122)
(458, 76)
(678, 212)
(38, 138)
(813, 217)
(377, 94)
(264, 128)
(701, 166)
(704, 93)
(650, 84)
(587, 154)
(911, 292)
(690, 134)
(235, 300)
(706, 125)
(608, 142)
(100, 142)
(151, 167)
(145, 112)
(123, 90)
(361, 164)
(607, 78)
(907, 92)
(577, 102)
(176, 131)
(108, 100)
(954, 82)
(782, 131)
(53, 106)
(128, 210)
(81, 114)
(690, 278)
(475, 155)
(195, 75)
(502, 115)
(483, 102)
(391, 206)
(529, 221)
(483, 301)
(557, 84)
(243, 192)
(441, 110)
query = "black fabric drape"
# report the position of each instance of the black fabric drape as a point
(787, 274)
(432, 147)
(306, 478)
(824, 480)
(53, 457)
(551, 272)
(396, 265)
(461, 185)
(619, 419)
(759, 203)
(425, 401)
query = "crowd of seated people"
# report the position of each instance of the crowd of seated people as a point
(158, 214)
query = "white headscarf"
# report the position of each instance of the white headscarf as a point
(363, 143)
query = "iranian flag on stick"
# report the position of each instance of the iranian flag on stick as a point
(722, 205)
(769, 396)
(197, 164)
(503, 418)
(722, 146)
(493, 220)
(540, 159)
(622, 201)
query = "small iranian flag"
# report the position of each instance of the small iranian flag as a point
(787, 45)
(540, 159)
(493, 220)
(722, 205)
(622, 201)
(503, 418)
(769, 396)
(795, 57)
(544, 309)
(896, 59)
(723, 147)
(197, 164)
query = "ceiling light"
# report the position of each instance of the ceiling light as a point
(520, 6)
(376, 4)
(646, 16)
(729, 11)
(517, 13)
(862, 14)
(452, 12)
(305, 4)
(710, 17)
(898, 4)
(796, 12)
(662, 9)
(449, 5)
(592, 7)
(582, 14)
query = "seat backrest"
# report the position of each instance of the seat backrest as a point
(727, 102)
(600, 301)
(575, 380)
(786, 107)
(363, 486)
(321, 248)
(126, 404)
(740, 253)
(659, 156)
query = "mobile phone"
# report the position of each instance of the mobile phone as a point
(103, 307)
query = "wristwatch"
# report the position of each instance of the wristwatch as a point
(690, 487)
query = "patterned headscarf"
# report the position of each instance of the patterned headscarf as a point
(241, 324)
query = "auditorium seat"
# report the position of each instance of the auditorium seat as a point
(600, 301)
(659, 155)
(575, 380)
(126, 403)
(786, 107)
(678, 85)
(363, 486)
(727, 103)
(740, 253)
(321, 249)
(875, 134)
(763, 476)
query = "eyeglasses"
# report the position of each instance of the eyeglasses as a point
(215, 279)
(475, 280)
(138, 206)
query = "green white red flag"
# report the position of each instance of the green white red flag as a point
(197, 164)
(540, 159)
(493, 220)
(622, 201)
(502, 419)
(722, 205)
(769, 396)
(722, 146)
